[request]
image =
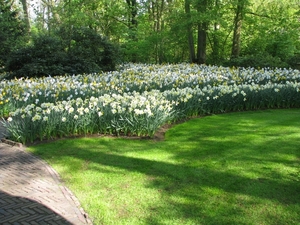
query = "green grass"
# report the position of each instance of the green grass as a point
(237, 168)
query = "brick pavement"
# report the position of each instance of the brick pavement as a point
(32, 193)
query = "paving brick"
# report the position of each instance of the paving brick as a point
(31, 192)
(21, 211)
(29, 211)
(34, 223)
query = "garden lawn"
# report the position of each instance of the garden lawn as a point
(236, 168)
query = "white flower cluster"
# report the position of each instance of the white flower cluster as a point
(136, 77)
(142, 97)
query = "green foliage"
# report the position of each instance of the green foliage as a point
(257, 61)
(294, 61)
(85, 52)
(94, 52)
(281, 45)
(157, 32)
(277, 48)
(44, 57)
(11, 29)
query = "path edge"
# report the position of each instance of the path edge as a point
(80, 213)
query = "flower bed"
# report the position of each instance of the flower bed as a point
(138, 99)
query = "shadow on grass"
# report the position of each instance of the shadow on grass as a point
(244, 162)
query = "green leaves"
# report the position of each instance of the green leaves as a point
(11, 29)
(84, 51)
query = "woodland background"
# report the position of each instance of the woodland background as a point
(56, 37)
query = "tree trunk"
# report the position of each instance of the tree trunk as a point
(215, 39)
(156, 10)
(215, 45)
(26, 15)
(132, 21)
(201, 50)
(190, 31)
(236, 42)
(132, 24)
(202, 33)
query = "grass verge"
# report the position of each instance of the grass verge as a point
(237, 168)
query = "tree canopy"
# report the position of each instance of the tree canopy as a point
(11, 28)
(222, 32)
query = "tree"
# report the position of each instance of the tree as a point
(132, 12)
(237, 30)
(158, 31)
(270, 33)
(215, 40)
(157, 14)
(26, 15)
(11, 29)
(201, 21)
(190, 35)
(132, 24)
(202, 8)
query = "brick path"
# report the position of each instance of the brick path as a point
(32, 193)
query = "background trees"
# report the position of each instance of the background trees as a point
(222, 32)
(11, 29)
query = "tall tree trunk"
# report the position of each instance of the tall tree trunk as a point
(201, 50)
(49, 17)
(202, 33)
(215, 40)
(215, 45)
(187, 5)
(238, 20)
(160, 13)
(132, 24)
(156, 10)
(132, 21)
(26, 15)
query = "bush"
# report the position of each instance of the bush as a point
(257, 61)
(43, 58)
(93, 51)
(84, 52)
(294, 62)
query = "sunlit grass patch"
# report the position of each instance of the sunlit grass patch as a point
(237, 168)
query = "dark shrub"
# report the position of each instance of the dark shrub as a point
(85, 52)
(43, 58)
(294, 62)
(95, 51)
